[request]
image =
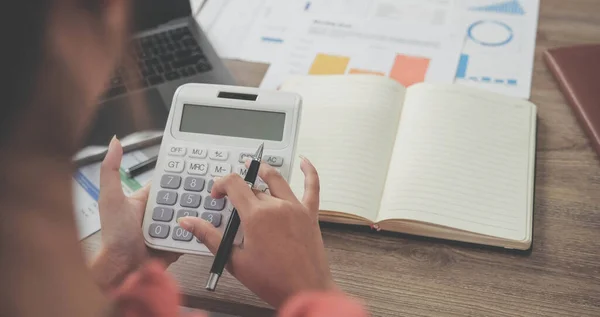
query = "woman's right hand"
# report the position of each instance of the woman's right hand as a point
(283, 252)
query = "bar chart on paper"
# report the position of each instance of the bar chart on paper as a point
(407, 70)
(499, 47)
(347, 47)
(463, 68)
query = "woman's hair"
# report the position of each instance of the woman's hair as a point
(22, 32)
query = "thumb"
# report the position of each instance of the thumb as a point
(203, 231)
(110, 176)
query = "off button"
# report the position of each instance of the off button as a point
(174, 166)
(177, 151)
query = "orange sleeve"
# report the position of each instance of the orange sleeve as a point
(332, 304)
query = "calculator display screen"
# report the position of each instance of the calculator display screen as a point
(253, 124)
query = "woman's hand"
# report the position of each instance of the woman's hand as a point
(283, 251)
(123, 247)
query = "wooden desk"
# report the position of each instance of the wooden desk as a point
(398, 275)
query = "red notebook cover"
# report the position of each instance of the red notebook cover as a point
(577, 69)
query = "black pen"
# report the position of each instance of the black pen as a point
(233, 225)
(141, 167)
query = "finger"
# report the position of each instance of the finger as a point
(278, 186)
(236, 189)
(312, 185)
(110, 176)
(262, 195)
(203, 231)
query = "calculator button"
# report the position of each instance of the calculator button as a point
(218, 155)
(180, 234)
(159, 231)
(194, 184)
(170, 181)
(197, 168)
(210, 185)
(245, 156)
(186, 213)
(275, 161)
(241, 170)
(220, 169)
(166, 198)
(162, 214)
(190, 200)
(175, 166)
(177, 151)
(198, 153)
(212, 217)
(214, 204)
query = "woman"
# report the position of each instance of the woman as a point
(57, 67)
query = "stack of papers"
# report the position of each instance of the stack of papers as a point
(483, 43)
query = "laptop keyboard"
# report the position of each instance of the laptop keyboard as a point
(160, 58)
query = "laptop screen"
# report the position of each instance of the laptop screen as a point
(152, 13)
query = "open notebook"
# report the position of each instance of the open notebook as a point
(441, 161)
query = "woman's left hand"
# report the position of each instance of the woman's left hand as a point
(123, 248)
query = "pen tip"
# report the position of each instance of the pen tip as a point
(259, 152)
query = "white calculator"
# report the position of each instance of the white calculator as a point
(210, 132)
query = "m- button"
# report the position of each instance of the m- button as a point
(175, 166)
(177, 151)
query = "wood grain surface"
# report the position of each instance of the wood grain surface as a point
(398, 275)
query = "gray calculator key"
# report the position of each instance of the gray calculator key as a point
(162, 214)
(214, 204)
(159, 231)
(194, 184)
(190, 200)
(170, 181)
(275, 161)
(212, 217)
(245, 156)
(186, 213)
(210, 185)
(180, 234)
(166, 198)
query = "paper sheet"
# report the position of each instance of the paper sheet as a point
(385, 47)
(499, 48)
(227, 23)
(86, 189)
(497, 36)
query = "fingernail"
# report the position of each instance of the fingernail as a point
(302, 157)
(113, 141)
(185, 224)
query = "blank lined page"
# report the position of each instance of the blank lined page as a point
(463, 159)
(347, 130)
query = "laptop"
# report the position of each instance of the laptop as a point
(169, 49)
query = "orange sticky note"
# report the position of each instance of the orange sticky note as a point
(409, 70)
